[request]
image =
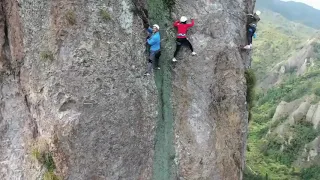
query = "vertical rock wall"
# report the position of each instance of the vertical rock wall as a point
(80, 83)
(71, 86)
(208, 92)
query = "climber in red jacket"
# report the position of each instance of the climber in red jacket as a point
(182, 39)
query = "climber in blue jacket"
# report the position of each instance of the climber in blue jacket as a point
(155, 52)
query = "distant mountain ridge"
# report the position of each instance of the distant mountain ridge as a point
(284, 135)
(294, 11)
(277, 40)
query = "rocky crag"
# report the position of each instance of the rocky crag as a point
(75, 106)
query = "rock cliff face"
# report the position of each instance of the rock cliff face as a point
(299, 63)
(75, 106)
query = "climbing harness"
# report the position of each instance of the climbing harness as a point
(181, 34)
(250, 30)
(253, 25)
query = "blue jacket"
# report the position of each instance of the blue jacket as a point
(154, 41)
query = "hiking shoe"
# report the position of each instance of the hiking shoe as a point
(174, 60)
(247, 47)
(193, 53)
(146, 74)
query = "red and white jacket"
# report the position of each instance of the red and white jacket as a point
(182, 28)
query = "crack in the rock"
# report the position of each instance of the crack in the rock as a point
(14, 70)
(6, 45)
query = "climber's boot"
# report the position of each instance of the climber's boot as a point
(247, 47)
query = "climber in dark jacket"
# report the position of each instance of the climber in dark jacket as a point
(155, 52)
(253, 20)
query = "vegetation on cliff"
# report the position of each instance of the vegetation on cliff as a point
(270, 155)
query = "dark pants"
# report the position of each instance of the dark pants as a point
(153, 60)
(250, 33)
(180, 42)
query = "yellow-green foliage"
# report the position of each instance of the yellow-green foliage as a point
(277, 40)
(251, 82)
(71, 17)
(311, 173)
(105, 15)
(49, 175)
(45, 158)
(268, 154)
(46, 55)
(264, 155)
(41, 153)
(36, 154)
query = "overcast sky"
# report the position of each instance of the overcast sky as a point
(314, 3)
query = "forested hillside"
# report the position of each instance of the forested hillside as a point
(284, 137)
(293, 11)
(277, 39)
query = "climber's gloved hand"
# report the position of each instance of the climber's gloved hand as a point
(146, 25)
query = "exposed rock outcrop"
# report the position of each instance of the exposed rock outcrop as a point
(310, 155)
(71, 82)
(285, 109)
(298, 63)
(298, 110)
(316, 116)
(294, 112)
(311, 112)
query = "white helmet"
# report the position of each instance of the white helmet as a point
(156, 26)
(258, 13)
(183, 19)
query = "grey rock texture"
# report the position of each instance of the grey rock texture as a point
(285, 109)
(79, 83)
(302, 109)
(311, 111)
(298, 110)
(71, 85)
(299, 63)
(300, 113)
(310, 154)
(316, 118)
(209, 92)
